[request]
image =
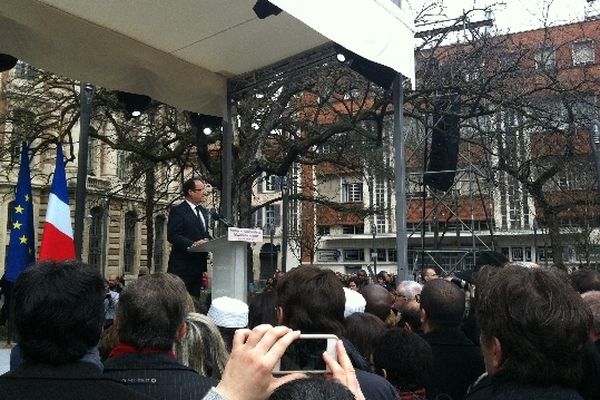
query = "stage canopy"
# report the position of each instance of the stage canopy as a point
(182, 52)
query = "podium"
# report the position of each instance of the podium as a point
(229, 267)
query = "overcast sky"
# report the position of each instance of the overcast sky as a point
(519, 15)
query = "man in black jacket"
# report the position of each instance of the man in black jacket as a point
(188, 227)
(149, 319)
(457, 361)
(534, 327)
(59, 312)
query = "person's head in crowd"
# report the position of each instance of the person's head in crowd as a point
(585, 280)
(592, 299)
(405, 359)
(355, 302)
(108, 341)
(353, 284)
(533, 325)
(59, 311)
(312, 300)
(442, 305)
(202, 348)
(383, 278)
(379, 300)
(407, 294)
(410, 320)
(314, 388)
(151, 312)
(228, 314)
(143, 271)
(362, 278)
(363, 330)
(429, 273)
(262, 309)
(113, 282)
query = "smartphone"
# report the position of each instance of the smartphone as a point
(305, 354)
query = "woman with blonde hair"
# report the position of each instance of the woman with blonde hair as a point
(202, 348)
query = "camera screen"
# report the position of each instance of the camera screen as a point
(304, 355)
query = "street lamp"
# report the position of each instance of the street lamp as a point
(86, 96)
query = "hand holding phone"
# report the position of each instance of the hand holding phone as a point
(305, 354)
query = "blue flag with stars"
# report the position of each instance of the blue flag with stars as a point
(21, 246)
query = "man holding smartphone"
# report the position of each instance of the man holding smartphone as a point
(312, 300)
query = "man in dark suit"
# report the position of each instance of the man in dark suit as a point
(188, 227)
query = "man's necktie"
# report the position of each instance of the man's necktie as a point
(199, 215)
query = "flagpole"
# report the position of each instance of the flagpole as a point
(86, 95)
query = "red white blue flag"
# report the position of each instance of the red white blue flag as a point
(57, 237)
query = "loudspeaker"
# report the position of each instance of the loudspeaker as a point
(444, 145)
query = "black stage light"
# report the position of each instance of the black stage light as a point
(264, 9)
(375, 72)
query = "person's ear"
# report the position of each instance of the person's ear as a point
(495, 352)
(181, 332)
(422, 315)
(279, 315)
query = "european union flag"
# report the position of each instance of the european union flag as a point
(21, 246)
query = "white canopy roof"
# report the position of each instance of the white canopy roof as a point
(182, 52)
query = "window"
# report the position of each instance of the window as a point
(517, 254)
(130, 239)
(159, 243)
(323, 230)
(352, 192)
(583, 52)
(354, 255)
(268, 183)
(545, 59)
(97, 238)
(392, 255)
(121, 165)
(353, 229)
(273, 215)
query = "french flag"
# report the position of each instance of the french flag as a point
(57, 237)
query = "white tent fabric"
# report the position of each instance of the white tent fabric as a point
(182, 52)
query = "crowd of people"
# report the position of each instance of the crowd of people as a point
(524, 333)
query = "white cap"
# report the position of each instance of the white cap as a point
(355, 302)
(227, 312)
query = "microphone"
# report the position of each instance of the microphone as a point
(218, 217)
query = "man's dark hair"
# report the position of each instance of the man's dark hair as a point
(363, 330)
(151, 310)
(444, 303)
(585, 280)
(262, 309)
(541, 323)
(59, 311)
(190, 184)
(315, 388)
(406, 357)
(313, 300)
(490, 258)
(412, 318)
